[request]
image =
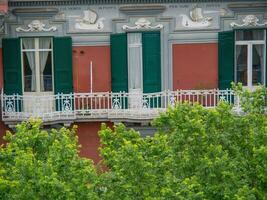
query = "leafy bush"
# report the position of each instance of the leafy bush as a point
(197, 153)
(37, 164)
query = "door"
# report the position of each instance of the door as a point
(37, 75)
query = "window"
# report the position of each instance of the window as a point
(37, 64)
(249, 57)
(136, 62)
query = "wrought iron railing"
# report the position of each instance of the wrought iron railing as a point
(105, 105)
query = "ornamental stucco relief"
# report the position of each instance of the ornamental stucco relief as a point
(36, 26)
(89, 21)
(142, 23)
(196, 19)
(249, 20)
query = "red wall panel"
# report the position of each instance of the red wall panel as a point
(89, 139)
(195, 66)
(1, 70)
(3, 129)
(4, 6)
(100, 56)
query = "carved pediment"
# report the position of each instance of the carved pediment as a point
(36, 26)
(249, 20)
(142, 23)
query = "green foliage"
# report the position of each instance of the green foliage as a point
(37, 164)
(196, 154)
(252, 102)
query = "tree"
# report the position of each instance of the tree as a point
(37, 164)
(197, 153)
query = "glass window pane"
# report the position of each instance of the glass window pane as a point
(28, 43)
(241, 64)
(29, 72)
(44, 43)
(258, 64)
(46, 80)
(249, 35)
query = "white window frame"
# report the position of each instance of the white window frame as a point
(249, 44)
(37, 51)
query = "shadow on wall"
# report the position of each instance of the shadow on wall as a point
(89, 139)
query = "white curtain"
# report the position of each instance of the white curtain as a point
(28, 43)
(259, 35)
(44, 44)
(259, 49)
(135, 61)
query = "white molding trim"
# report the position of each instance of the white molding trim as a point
(249, 20)
(142, 23)
(36, 26)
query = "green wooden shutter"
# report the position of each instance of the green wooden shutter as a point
(62, 50)
(226, 59)
(151, 62)
(119, 64)
(63, 84)
(119, 68)
(12, 66)
(12, 69)
(151, 66)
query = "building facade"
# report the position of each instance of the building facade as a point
(86, 62)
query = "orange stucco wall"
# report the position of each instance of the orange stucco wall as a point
(3, 129)
(195, 66)
(89, 139)
(100, 56)
(3, 6)
(1, 70)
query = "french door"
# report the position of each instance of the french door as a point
(37, 74)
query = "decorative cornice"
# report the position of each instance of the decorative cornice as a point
(36, 26)
(25, 3)
(35, 11)
(249, 20)
(148, 8)
(248, 6)
(142, 23)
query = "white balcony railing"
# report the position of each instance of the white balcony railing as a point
(104, 105)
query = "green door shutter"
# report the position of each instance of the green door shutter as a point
(151, 62)
(226, 59)
(151, 67)
(119, 64)
(119, 68)
(12, 69)
(12, 66)
(62, 50)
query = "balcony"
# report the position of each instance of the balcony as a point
(103, 106)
